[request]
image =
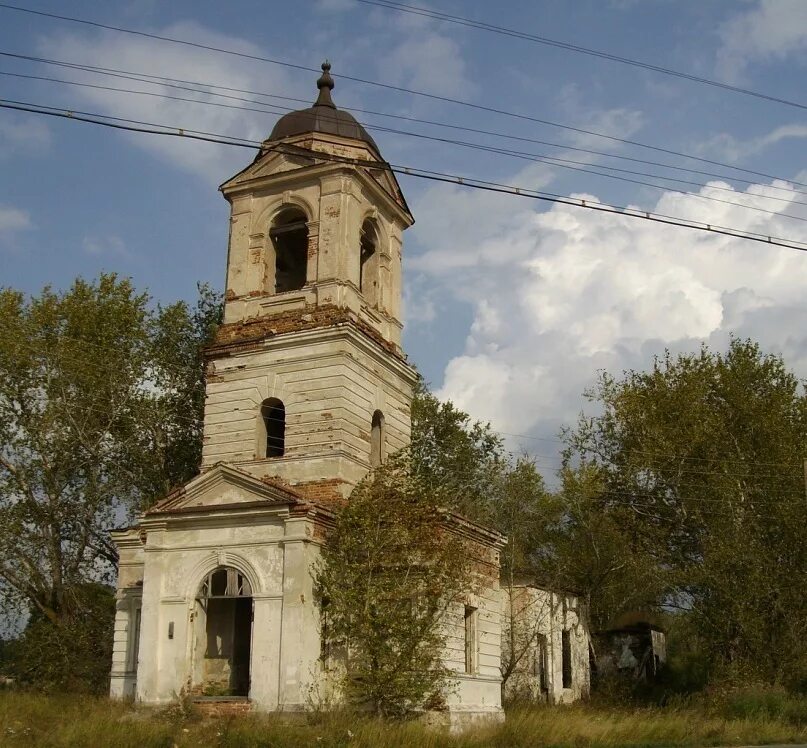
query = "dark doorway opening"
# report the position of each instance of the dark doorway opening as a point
(224, 634)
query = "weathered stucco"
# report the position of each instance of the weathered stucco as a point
(533, 645)
(330, 353)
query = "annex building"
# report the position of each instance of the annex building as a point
(307, 390)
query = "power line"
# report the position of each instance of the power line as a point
(169, 81)
(464, 181)
(365, 81)
(579, 166)
(484, 26)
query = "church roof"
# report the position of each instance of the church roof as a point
(323, 117)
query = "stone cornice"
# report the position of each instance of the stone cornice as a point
(345, 330)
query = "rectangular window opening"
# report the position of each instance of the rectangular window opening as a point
(566, 655)
(471, 646)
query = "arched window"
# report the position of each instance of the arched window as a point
(224, 582)
(272, 428)
(289, 235)
(368, 262)
(377, 439)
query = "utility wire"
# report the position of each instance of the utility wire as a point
(579, 166)
(365, 81)
(472, 182)
(168, 81)
(484, 26)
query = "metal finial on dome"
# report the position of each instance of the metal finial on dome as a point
(325, 85)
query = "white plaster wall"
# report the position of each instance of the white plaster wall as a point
(531, 611)
(336, 199)
(275, 554)
(479, 693)
(330, 382)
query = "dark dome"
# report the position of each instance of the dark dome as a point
(322, 117)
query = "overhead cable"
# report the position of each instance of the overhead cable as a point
(464, 181)
(389, 86)
(171, 82)
(580, 166)
(484, 26)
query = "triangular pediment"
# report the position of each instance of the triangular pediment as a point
(224, 486)
(266, 166)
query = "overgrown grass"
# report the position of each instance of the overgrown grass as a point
(60, 721)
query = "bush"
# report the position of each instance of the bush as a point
(73, 655)
(768, 704)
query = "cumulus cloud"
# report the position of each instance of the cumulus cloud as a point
(771, 29)
(559, 294)
(153, 57)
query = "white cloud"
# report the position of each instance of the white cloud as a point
(12, 220)
(105, 245)
(23, 134)
(158, 58)
(730, 148)
(771, 29)
(561, 293)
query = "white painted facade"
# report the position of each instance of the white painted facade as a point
(325, 359)
(545, 641)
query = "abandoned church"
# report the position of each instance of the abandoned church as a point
(307, 390)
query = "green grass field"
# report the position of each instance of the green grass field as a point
(749, 719)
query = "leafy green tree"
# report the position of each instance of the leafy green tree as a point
(390, 571)
(594, 552)
(461, 458)
(101, 400)
(700, 465)
(73, 656)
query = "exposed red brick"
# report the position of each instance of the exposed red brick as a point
(239, 336)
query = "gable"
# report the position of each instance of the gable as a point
(266, 165)
(224, 486)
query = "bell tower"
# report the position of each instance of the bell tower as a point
(306, 380)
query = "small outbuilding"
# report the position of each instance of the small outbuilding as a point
(635, 647)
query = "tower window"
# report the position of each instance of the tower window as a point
(377, 439)
(368, 263)
(273, 428)
(289, 235)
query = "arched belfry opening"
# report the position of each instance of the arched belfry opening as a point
(222, 634)
(272, 428)
(377, 439)
(368, 262)
(289, 237)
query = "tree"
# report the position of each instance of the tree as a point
(700, 461)
(525, 512)
(390, 571)
(461, 458)
(100, 405)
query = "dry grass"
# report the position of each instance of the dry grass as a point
(60, 721)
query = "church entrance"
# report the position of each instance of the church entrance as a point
(222, 634)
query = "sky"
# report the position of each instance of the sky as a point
(512, 306)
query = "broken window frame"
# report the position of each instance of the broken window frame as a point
(236, 584)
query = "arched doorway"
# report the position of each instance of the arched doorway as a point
(223, 634)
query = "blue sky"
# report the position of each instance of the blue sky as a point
(511, 306)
